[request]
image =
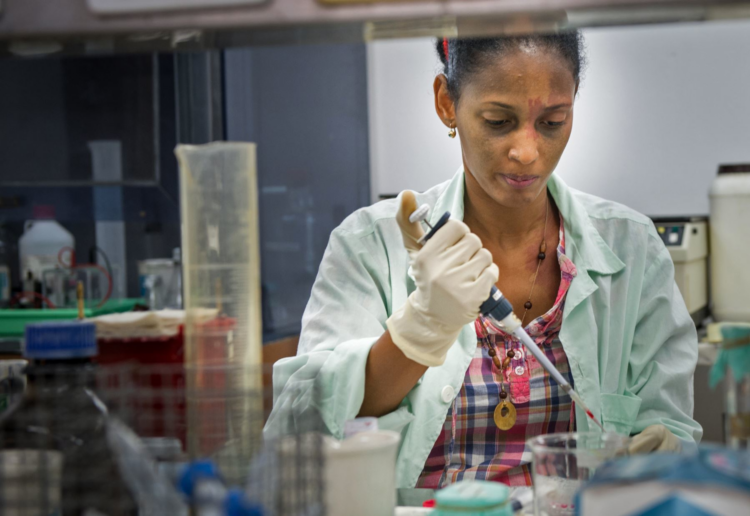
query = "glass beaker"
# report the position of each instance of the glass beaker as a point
(563, 462)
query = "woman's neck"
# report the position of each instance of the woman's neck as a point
(499, 225)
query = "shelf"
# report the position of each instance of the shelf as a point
(29, 27)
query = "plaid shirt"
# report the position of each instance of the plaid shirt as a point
(470, 446)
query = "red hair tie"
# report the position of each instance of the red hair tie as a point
(445, 48)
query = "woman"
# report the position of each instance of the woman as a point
(392, 330)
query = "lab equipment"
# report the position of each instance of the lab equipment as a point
(161, 281)
(201, 482)
(43, 243)
(31, 482)
(59, 413)
(360, 474)
(686, 239)
(733, 367)
(563, 463)
(500, 312)
(473, 497)
(730, 242)
(5, 278)
(12, 382)
(59, 285)
(521, 498)
(288, 475)
(221, 270)
(714, 481)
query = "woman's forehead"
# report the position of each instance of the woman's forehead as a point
(527, 73)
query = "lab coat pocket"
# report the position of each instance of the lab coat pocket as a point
(619, 412)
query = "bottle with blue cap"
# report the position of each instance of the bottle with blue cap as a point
(60, 416)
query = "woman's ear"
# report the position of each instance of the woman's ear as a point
(444, 106)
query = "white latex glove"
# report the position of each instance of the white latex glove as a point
(453, 274)
(655, 438)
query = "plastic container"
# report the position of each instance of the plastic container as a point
(161, 282)
(564, 462)
(473, 498)
(42, 242)
(31, 482)
(66, 418)
(733, 365)
(13, 321)
(154, 357)
(361, 474)
(221, 271)
(730, 243)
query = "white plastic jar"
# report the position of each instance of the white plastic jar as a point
(730, 243)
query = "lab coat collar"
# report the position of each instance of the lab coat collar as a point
(593, 252)
(584, 244)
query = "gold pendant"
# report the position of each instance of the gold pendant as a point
(505, 415)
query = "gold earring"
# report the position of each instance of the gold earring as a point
(452, 133)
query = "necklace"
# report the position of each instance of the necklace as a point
(540, 258)
(505, 413)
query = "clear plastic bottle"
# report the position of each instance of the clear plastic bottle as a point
(60, 417)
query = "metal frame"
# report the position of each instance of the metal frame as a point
(199, 97)
(69, 26)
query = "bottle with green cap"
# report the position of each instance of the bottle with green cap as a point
(473, 498)
(57, 433)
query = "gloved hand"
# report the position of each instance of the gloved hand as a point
(655, 438)
(453, 274)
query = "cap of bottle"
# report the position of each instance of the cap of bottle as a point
(60, 340)
(236, 504)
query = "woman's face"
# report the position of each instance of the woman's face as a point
(514, 119)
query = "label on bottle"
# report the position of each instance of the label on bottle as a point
(30, 482)
(37, 264)
(4, 285)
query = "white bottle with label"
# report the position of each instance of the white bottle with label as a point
(42, 244)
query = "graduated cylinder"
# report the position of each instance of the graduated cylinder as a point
(223, 334)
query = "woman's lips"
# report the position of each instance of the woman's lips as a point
(519, 181)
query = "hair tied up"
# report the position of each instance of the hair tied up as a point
(445, 48)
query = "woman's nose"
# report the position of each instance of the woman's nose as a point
(524, 151)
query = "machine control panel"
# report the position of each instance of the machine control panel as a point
(671, 234)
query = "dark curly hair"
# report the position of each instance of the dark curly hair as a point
(465, 56)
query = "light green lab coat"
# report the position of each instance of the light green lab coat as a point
(630, 342)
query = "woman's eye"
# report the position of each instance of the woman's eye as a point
(497, 123)
(550, 123)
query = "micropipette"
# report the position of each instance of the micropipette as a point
(498, 309)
